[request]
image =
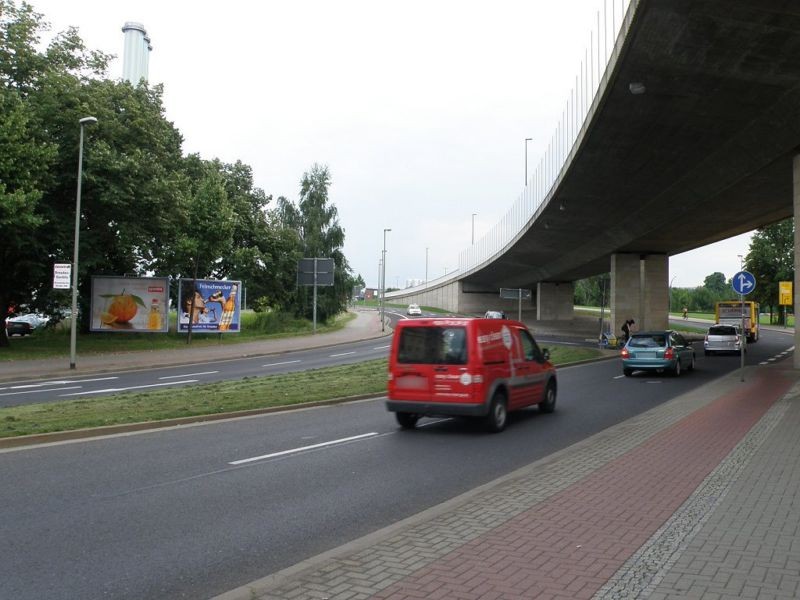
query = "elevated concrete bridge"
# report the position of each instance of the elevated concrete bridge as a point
(688, 136)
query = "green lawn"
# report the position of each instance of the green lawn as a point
(246, 394)
(49, 343)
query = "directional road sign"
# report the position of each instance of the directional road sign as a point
(744, 282)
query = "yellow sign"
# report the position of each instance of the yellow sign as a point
(785, 293)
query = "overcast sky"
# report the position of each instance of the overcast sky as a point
(420, 109)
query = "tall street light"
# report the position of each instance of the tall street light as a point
(473, 228)
(426, 266)
(383, 284)
(526, 160)
(73, 340)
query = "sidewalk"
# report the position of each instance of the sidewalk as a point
(696, 498)
(366, 325)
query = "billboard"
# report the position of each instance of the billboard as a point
(130, 304)
(216, 305)
(785, 293)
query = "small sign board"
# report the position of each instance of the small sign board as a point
(514, 294)
(744, 282)
(324, 271)
(785, 293)
(62, 274)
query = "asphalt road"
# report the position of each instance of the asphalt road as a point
(194, 511)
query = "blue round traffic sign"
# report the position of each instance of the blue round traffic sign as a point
(744, 282)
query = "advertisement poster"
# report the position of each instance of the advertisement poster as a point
(216, 305)
(130, 304)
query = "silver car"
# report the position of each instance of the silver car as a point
(722, 338)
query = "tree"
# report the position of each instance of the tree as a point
(771, 260)
(316, 223)
(716, 284)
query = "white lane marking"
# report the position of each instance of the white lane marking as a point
(303, 448)
(187, 375)
(773, 359)
(763, 363)
(658, 382)
(55, 382)
(618, 377)
(383, 347)
(433, 422)
(286, 362)
(341, 354)
(133, 387)
(72, 387)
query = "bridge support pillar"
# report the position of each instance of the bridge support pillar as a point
(639, 290)
(555, 301)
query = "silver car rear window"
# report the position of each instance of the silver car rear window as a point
(722, 330)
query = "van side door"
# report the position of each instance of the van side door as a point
(530, 370)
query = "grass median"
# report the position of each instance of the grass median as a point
(251, 393)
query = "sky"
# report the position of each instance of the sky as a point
(419, 109)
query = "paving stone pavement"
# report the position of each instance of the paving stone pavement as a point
(696, 498)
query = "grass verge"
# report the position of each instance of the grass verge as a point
(229, 396)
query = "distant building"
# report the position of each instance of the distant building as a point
(136, 55)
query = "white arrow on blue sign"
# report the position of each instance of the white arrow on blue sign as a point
(744, 282)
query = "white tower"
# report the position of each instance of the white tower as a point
(136, 56)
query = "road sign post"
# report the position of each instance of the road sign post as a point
(743, 283)
(315, 271)
(516, 294)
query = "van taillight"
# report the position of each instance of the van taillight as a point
(669, 354)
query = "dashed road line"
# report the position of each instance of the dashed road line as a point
(277, 364)
(340, 354)
(125, 389)
(188, 375)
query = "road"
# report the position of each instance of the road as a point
(191, 512)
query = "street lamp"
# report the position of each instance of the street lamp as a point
(473, 228)
(383, 284)
(73, 340)
(526, 160)
(426, 266)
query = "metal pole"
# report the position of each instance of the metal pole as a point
(519, 305)
(526, 160)
(473, 227)
(383, 284)
(426, 266)
(743, 340)
(73, 339)
(314, 310)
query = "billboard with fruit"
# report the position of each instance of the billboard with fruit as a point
(130, 304)
(213, 305)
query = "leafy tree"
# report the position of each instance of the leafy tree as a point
(316, 223)
(771, 260)
(716, 284)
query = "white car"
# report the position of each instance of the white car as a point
(414, 310)
(722, 338)
(31, 319)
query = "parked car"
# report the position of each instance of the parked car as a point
(722, 338)
(657, 351)
(35, 320)
(15, 326)
(480, 368)
(414, 310)
(494, 314)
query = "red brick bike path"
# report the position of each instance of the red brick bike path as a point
(569, 546)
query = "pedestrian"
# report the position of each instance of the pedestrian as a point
(685, 313)
(626, 330)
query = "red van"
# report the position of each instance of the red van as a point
(467, 367)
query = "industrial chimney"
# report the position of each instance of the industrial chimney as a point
(136, 56)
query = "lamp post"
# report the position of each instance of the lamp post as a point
(426, 266)
(73, 340)
(526, 160)
(473, 228)
(383, 283)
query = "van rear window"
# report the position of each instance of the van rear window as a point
(433, 345)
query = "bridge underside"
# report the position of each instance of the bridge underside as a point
(707, 152)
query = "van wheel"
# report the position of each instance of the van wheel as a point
(548, 404)
(407, 420)
(495, 421)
